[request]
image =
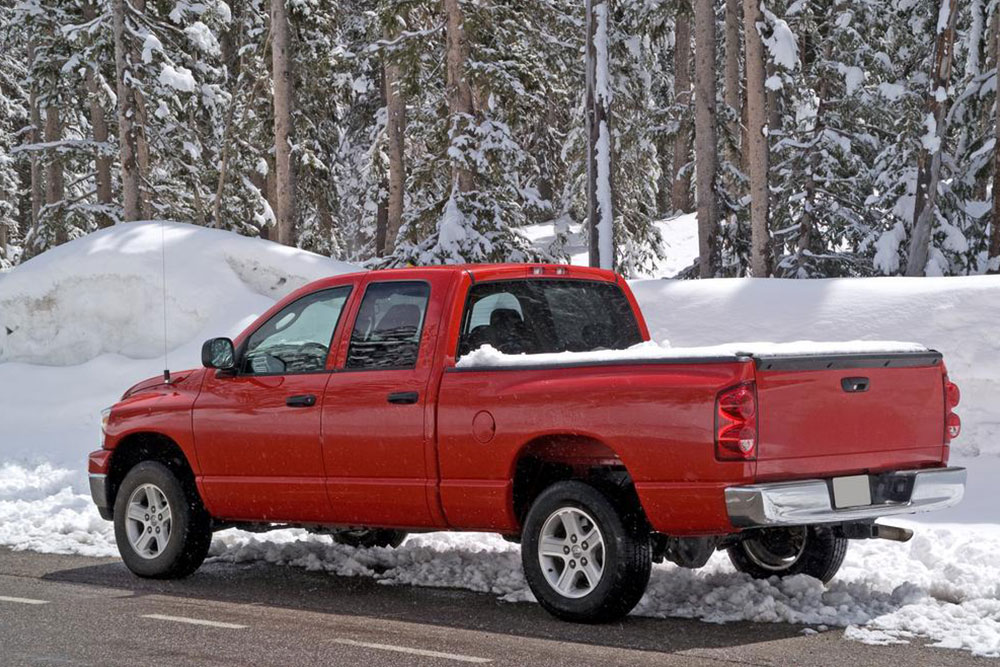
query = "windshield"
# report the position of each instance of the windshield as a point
(544, 315)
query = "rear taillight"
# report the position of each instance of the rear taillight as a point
(952, 422)
(736, 423)
(952, 394)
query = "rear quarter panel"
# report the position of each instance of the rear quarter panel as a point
(658, 418)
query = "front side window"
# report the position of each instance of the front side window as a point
(297, 338)
(546, 315)
(387, 330)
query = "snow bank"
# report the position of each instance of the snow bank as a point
(487, 356)
(104, 293)
(679, 243)
(81, 323)
(960, 317)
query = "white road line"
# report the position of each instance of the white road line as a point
(194, 621)
(414, 651)
(4, 598)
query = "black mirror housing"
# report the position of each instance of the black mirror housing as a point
(218, 353)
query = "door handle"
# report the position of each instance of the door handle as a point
(855, 385)
(301, 401)
(403, 397)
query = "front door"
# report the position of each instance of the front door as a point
(257, 431)
(377, 412)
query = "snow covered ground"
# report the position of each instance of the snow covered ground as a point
(81, 323)
(680, 243)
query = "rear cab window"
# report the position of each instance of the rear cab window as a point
(533, 316)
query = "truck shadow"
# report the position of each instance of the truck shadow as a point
(280, 586)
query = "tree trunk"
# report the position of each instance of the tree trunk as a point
(993, 264)
(34, 136)
(131, 174)
(807, 223)
(99, 125)
(55, 185)
(706, 147)
(680, 194)
(732, 78)
(395, 106)
(381, 219)
(459, 91)
(325, 219)
(600, 197)
(284, 94)
(929, 159)
(757, 138)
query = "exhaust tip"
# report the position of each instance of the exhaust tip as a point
(894, 533)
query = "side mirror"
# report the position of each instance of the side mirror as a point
(218, 353)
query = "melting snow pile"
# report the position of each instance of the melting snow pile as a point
(81, 323)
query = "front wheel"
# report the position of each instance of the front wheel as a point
(585, 558)
(162, 530)
(813, 550)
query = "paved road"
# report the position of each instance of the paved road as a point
(69, 610)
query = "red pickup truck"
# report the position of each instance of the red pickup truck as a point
(344, 410)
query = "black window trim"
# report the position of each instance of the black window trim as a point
(340, 316)
(420, 340)
(467, 312)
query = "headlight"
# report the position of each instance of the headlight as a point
(105, 414)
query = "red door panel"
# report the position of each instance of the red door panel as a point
(261, 459)
(378, 427)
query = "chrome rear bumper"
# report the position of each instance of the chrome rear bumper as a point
(810, 501)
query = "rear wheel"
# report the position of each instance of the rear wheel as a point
(371, 537)
(586, 559)
(161, 528)
(813, 550)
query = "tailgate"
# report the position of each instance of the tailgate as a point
(828, 415)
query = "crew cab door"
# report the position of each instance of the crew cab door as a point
(257, 430)
(378, 429)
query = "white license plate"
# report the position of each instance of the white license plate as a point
(851, 491)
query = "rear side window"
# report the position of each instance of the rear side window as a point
(387, 330)
(543, 315)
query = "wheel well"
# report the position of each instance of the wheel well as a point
(139, 447)
(551, 459)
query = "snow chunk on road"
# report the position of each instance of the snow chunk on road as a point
(487, 356)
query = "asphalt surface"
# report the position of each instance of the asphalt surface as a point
(71, 610)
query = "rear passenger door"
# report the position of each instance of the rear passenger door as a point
(378, 433)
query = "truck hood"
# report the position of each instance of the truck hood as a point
(178, 379)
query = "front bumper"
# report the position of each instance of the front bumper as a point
(99, 492)
(98, 467)
(810, 501)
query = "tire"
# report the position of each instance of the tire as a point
(188, 529)
(620, 562)
(813, 550)
(374, 537)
